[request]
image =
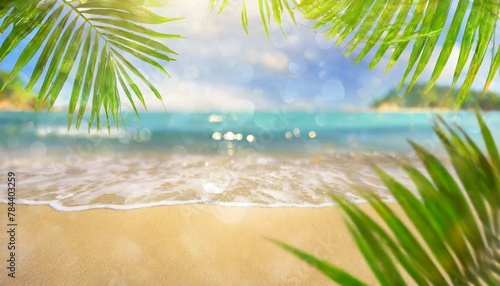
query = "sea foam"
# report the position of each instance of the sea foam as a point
(143, 180)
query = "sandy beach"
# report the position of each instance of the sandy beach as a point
(177, 245)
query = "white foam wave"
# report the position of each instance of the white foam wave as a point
(61, 131)
(139, 181)
(60, 207)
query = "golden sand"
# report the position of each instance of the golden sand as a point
(177, 245)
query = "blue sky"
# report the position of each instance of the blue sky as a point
(220, 67)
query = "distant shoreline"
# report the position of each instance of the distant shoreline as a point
(440, 98)
(7, 105)
(383, 109)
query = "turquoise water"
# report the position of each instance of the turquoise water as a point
(267, 159)
(271, 131)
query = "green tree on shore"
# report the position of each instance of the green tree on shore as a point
(437, 97)
(14, 95)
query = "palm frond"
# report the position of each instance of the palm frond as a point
(268, 9)
(396, 25)
(389, 27)
(95, 40)
(330, 271)
(458, 222)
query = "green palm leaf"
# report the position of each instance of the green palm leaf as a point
(367, 20)
(392, 26)
(458, 223)
(330, 271)
(268, 9)
(95, 40)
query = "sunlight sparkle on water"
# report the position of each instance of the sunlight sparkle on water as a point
(229, 136)
(215, 118)
(296, 132)
(217, 136)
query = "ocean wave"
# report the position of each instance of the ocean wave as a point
(251, 180)
(60, 207)
(61, 131)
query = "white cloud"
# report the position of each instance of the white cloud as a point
(272, 59)
(190, 95)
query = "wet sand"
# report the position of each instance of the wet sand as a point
(177, 245)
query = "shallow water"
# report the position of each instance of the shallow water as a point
(259, 159)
